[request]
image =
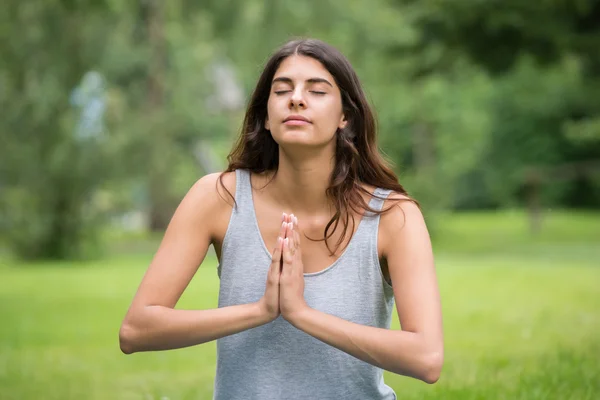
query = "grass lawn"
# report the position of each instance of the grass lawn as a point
(521, 320)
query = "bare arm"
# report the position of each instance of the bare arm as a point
(151, 322)
(416, 350)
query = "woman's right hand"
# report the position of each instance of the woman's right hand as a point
(269, 303)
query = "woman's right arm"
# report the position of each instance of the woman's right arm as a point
(151, 322)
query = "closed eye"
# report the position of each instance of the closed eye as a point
(318, 93)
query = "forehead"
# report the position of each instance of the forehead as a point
(300, 68)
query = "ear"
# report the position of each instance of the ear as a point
(267, 126)
(343, 122)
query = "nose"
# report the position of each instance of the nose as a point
(297, 100)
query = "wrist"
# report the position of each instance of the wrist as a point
(298, 315)
(263, 313)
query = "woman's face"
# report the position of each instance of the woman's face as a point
(305, 104)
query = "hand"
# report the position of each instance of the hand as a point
(269, 303)
(291, 283)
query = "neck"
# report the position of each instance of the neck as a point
(302, 179)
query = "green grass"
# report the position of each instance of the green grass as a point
(521, 320)
(569, 234)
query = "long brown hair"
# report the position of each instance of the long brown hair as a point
(357, 158)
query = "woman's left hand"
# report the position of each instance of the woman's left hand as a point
(291, 281)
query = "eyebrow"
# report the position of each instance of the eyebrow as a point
(311, 80)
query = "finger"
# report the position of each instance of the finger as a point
(293, 221)
(290, 235)
(296, 234)
(297, 247)
(286, 230)
(280, 263)
(282, 232)
(295, 224)
(279, 245)
(287, 257)
(283, 229)
(277, 253)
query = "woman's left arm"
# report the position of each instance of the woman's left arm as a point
(417, 350)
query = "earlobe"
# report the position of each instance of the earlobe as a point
(267, 124)
(343, 123)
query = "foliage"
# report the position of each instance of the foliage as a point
(473, 98)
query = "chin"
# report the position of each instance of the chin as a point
(291, 135)
(296, 142)
(299, 137)
(305, 143)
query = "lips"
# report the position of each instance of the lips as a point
(296, 118)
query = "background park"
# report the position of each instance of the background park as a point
(111, 110)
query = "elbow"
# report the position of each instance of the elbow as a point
(427, 367)
(127, 338)
(432, 367)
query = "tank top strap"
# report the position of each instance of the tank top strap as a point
(377, 200)
(243, 191)
(242, 217)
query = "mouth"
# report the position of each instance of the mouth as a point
(296, 120)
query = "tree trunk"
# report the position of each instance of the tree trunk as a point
(160, 210)
(423, 149)
(533, 187)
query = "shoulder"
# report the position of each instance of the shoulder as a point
(402, 219)
(208, 196)
(212, 187)
(402, 211)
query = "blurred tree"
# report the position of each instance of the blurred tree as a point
(479, 103)
(49, 171)
(546, 70)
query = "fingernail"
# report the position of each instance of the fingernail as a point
(283, 217)
(290, 225)
(278, 240)
(285, 241)
(283, 224)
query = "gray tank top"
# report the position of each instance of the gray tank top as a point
(278, 361)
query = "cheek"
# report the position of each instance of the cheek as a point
(330, 115)
(271, 113)
(269, 107)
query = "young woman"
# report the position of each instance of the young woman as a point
(316, 239)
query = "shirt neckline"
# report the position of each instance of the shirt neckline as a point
(264, 246)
